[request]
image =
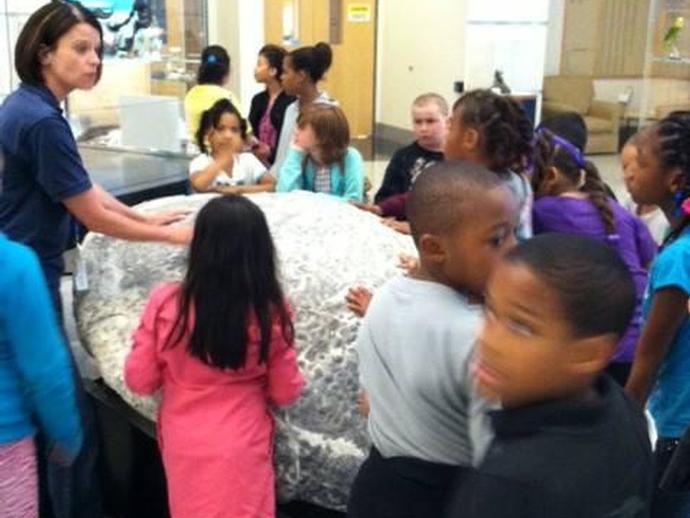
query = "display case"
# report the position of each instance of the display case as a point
(151, 53)
(130, 126)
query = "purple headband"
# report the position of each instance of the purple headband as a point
(574, 152)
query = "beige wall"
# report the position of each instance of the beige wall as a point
(406, 67)
(554, 38)
(419, 49)
(222, 30)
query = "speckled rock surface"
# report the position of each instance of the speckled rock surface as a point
(324, 247)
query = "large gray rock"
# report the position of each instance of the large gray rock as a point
(325, 246)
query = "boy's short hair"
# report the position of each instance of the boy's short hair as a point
(594, 286)
(440, 197)
(432, 97)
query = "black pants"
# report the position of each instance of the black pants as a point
(73, 491)
(619, 372)
(401, 487)
(668, 504)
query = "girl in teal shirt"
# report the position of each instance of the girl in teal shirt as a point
(320, 159)
(660, 369)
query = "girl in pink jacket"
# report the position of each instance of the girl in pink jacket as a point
(219, 346)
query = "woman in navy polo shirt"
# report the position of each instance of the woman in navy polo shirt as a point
(44, 185)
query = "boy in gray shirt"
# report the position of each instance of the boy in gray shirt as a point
(417, 338)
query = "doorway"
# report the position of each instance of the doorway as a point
(349, 27)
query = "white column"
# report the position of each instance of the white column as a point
(238, 25)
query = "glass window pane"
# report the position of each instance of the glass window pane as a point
(151, 54)
(508, 11)
(517, 50)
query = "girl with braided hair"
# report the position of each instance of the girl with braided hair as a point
(489, 130)
(571, 198)
(662, 360)
(493, 130)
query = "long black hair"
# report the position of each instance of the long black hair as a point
(554, 151)
(211, 118)
(231, 282)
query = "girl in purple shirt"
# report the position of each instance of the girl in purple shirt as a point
(571, 199)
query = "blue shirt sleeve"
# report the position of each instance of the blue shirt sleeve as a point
(672, 267)
(28, 320)
(291, 177)
(58, 167)
(354, 176)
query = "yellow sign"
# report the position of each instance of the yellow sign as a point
(358, 13)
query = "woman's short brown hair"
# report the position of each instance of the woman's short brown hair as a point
(331, 129)
(42, 31)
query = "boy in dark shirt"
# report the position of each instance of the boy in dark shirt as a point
(430, 126)
(568, 442)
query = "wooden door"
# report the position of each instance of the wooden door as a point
(349, 27)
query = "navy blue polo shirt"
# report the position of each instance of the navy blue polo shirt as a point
(40, 168)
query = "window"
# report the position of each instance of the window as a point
(151, 54)
(508, 36)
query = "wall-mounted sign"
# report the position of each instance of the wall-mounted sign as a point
(358, 13)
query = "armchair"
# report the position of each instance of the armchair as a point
(576, 94)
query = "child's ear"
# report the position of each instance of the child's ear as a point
(550, 180)
(471, 139)
(552, 174)
(590, 356)
(676, 180)
(431, 247)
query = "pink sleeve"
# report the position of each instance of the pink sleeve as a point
(285, 381)
(142, 367)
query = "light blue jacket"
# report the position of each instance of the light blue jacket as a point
(348, 185)
(36, 384)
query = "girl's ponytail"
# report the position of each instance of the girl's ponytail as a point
(314, 61)
(505, 131)
(553, 151)
(595, 188)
